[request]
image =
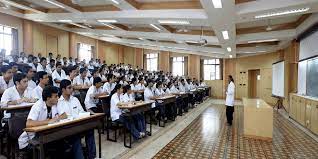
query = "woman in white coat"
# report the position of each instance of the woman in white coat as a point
(229, 102)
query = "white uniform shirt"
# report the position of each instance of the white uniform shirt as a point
(23, 60)
(159, 92)
(127, 97)
(78, 80)
(108, 87)
(90, 101)
(37, 92)
(38, 112)
(140, 86)
(71, 107)
(41, 68)
(174, 89)
(57, 76)
(3, 83)
(182, 88)
(32, 65)
(31, 84)
(230, 94)
(115, 112)
(147, 94)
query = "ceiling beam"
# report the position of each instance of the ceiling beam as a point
(21, 6)
(280, 35)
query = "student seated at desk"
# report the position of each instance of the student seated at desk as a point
(6, 80)
(82, 79)
(18, 93)
(128, 96)
(110, 84)
(58, 74)
(91, 99)
(149, 95)
(116, 113)
(72, 107)
(43, 78)
(44, 112)
(72, 73)
(159, 90)
(42, 66)
(30, 75)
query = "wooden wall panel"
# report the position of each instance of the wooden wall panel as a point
(129, 55)
(164, 61)
(194, 66)
(27, 37)
(139, 58)
(216, 86)
(51, 45)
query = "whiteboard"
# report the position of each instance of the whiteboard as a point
(308, 46)
(302, 75)
(278, 78)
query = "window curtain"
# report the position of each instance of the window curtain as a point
(93, 53)
(170, 64)
(202, 69)
(78, 46)
(221, 69)
(145, 61)
(15, 42)
(186, 66)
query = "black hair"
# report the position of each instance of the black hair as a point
(158, 84)
(94, 71)
(126, 88)
(42, 59)
(64, 83)
(27, 68)
(58, 64)
(52, 60)
(96, 80)
(48, 91)
(231, 79)
(18, 77)
(118, 86)
(5, 68)
(41, 74)
(82, 70)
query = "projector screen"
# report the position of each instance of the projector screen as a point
(278, 79)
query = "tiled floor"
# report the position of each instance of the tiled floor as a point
(209, 137)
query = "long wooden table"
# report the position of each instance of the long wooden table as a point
(168, 99)
(135, 108)
(14, 109)
(53, 132)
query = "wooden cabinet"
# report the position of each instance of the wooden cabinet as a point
(304, 110)
(314, 117)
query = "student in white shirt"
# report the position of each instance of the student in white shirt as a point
(44, 112)
(30, 75)
(6, 80)
(93, 92)
(159, 91)
(116, 113)
(141, 84)
(95, 73)
(72, 107)
(42, 66)
(43, 79)
(51, 65)
(82, 79)
(34, 63)
(18, 93)
(229, 101)
(128, 96)
(22, 59)
(72, 73)
(202, 83)
(58, 74)
(182, 86)
(110, 84)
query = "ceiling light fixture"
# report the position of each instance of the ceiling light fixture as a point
(107, 21)
(217, 3)
(260, 41)
(108, 25)
(154, 26)
(231, 56)
(177, 22)
(38, 20)
(54, 3)
(114, 1)
(282, 13)
(65, 20)
(229, 49)
(141, 38)
(225, 35)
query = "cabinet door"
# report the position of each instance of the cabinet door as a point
(302, 111)
(314, 117)
(292, 111)
(298, 110)
(309, 105)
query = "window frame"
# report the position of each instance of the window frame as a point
(88, 49)
(151, 58)
(214, 63)
(3, 34)
(179, 59)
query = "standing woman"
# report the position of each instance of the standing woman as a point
(229, 102)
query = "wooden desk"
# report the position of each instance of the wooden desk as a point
(170, 99)
(103, 96)
(57, 131)
(83, 88)
(167, 99)
(20, 108)
(135, 108)
(258, 119)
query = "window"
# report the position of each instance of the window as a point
(178, 66)
(85, 52)
(152, 62)
(212, 69)
(6, 39)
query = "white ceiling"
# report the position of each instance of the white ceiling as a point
(229, 17)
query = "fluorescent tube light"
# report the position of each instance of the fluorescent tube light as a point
(299, 10)
(264, 40)
(229, 49)
(225, 35)
(65, 20)
(231, 56)
(154, 26)
(109, 25)
(217, 3)
(114, 1)
(54, 3)
(178, 22)
(107, 21)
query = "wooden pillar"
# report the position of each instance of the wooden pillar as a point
(164, 61)
(28, 37)
(73, 45)
(139, 58)
(194, 66)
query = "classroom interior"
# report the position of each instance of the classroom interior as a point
(268, 47)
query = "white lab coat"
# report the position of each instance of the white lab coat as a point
(230, 94)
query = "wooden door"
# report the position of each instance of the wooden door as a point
(314, 117)
(309, 105)
(302, 111)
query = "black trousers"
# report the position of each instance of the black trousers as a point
(229, 114)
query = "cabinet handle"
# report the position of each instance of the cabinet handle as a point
(317, 106)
